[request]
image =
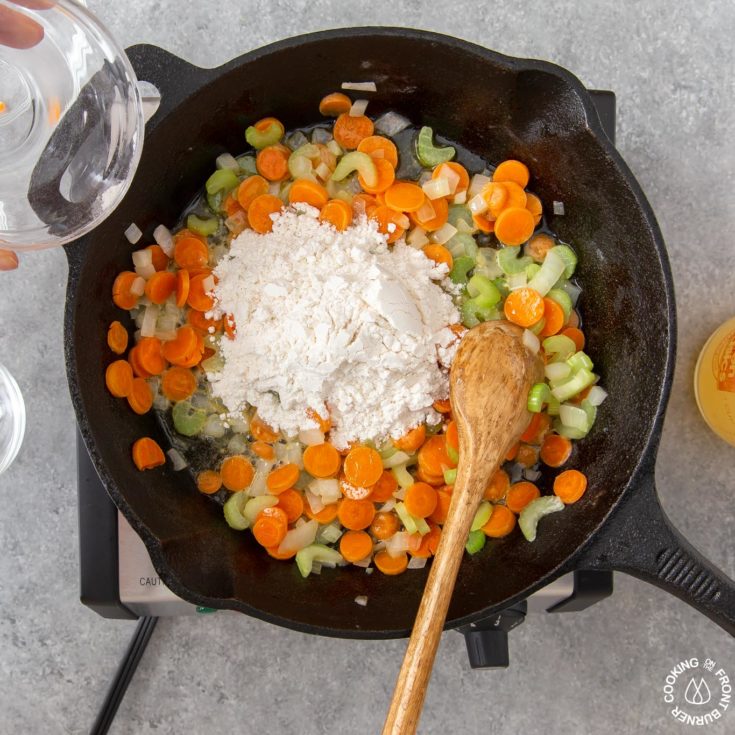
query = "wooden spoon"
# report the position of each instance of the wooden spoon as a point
(491, 375)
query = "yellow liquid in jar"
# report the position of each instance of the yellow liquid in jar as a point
(714, 382)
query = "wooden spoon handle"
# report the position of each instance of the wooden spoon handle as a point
(413, 678)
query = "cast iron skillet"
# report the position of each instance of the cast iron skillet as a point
(498, 107)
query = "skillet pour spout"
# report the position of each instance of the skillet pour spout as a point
(498, 107)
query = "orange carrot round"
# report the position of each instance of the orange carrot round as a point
(260, 211)
(338, 213)
(117, 338)
(411, 440)
(442, 405)
(272, 162)
(119, 378)
(433, 458)
(384, 488)
(514, 226)
(516, 197)
(322, 460)
(282, 478)
(576, 335)
(182, 286)
(140, 397)
(553, 318)
(309, 192)
(355, 545)
(147, 454)
(121, 295)
(570, 486)
(190, 252)
(270, 529)
(501, 523)
(355, 515)
(334, 104)
(496, 197)
(527, 456)
(178, 383)
(483, 223)
(292, 504)
(386, 177)
(363, 466)
(251, 188)
(326, 515)
(404, 196)
(391, 565)
(158, 257)
(512, 170)
(534, 206)
(498, 487)
(380, 148)
(237, 473)
(452, 435)
(384, 525)
(262, 450)
(198, 297)
(439, 254)
(388, 222)
(350, 131)
(160, 286)
(150, 355)
(457, 168)
(261, 431)
(443, 499)
(441, 214)
(555, 450)
(524, 307)
(420, 500)
(209, 482)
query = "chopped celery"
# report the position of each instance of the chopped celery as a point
(316, 552)
(431, 155)
(568, 431)
(396, 459)
(356, 161)
(535, 511)
(460, 268)
(473, 313)
(537, 396)
(201, 226)
(475, 542)
(591, 411)
(247, 165)
(452, 453)
(482, 516)
(263, 138)
(560, 346)
(582, 379)
(459, 212)
(421, 525)
(233, 509)
(551, 269)
(483, 288)
(532, 270)
(562, 298)
(403, 476)
(509, 261)
(568, 256)
(462, 243)
(556, 372)
(224, 180)
(214, 201)
(408, 521)
(580, 360)
(574, 417)
(553, 405)
(450, 475)
(188, 421)
(538, 327)
(387, 449)
(256, 505)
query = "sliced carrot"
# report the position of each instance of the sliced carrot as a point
(539, 245)
(326, 515)
(355, 515)
(209, 482)
(433, 458)
(119, 378)
(386, 177)
(230, 326)
(160, 286)
(496, 197)
(391, 565)
(260, 211)
(309, 192)
(282, 478)
(527, 456)
(272, 162)
(498, 487)
(524, 307)
(354, 491)
(200, 323)
(443, 499)
(442, 405)
(350, 131)
(516, 197)
(363, 466)
(147, 454)
(282, 556)
(251, 188)
(512, 170)
(237, 473)
(362, 202)
(576, 335)
(411, 440)
(380, 148)
(537, 427)
(384, 525)
(179, 350)
(573, 320)
(457, 168)
(514, 226)
(291, 503)
(338, 213)
(384, 488)
(178, 383)
(441, 214)
(570, 486)
(262, 450)
(270, 530)
(261, 431)
(325, 424)
(388, 222)
(198, 297)
(140, 398)
(230, 205)
(424, 546)
(404, 196)
(322, 460)
(138, 370)
(451, 435)
(534, 206)
(501, 523)
(428, 478)
(334, 104)
(553, 318)
(117, 338)
(150, 355)
(439, 254)
(121, 295)
(555, 450)
(158, 257)
(512, 452)
(420, 500)
(483, 223)
(355, 545)
(190, 252)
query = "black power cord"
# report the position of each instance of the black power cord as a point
(124, 675)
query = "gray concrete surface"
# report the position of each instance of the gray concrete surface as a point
(601, 671)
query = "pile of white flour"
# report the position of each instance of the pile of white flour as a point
(334, 321)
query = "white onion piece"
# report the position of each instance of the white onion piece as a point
(417, 562)
(573, 291)
(470, 229)
(148, 325)
(516, 281)
(478, 204)
(397, 544)
(436, 188)
(165, 336)
(417, 238)
(258, 486)
(388, 505)
(596, 395)
(297, 140)
(477, 183)
(460, 198)
(369, 570)
(142, 258)
(402, 220)
(178, 462)
(445, 233)
(137, 287)
(531, 341)
(227, 160)
(237, 445)
(531, 475)
(323, 171)
(274, 187)
(208, 284)
(426, 211)
(334, 147)
(133, 233)
(236, 223)
(311, 437)
(161, 403)
(364, 563)
(326, 489)
(214, 427)
(358, 108)
(299, 538)
(452, 177)
(315, 502)
(360, 86)
(557, 371)
(559, 208)
(391, 123)
(162, 236)
(321, 135)
(329, 534)
(575, 418)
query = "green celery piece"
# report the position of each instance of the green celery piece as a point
(475, 542)
(537, 397)
(582, 379)
(403, 476)
(482, 516)
(560, 346)
(462, 243)
(535, 511)
(188, 421)
(460, 269)
(422, 527)
(260, 139)
(201, 226)
(509, 261)
(233, 509)
(562, 298)
(247, 165)
(481, 286)
(428, 153)
(316, 552)
(580, 360)
(223, 180)
(459, 212)
(569, 257)
(256, 505)
(450, 476)
(408, 521)
(356, 161)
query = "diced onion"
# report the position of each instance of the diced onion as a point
(389, 505)
(258, 486)
(208, 284)
(365, 563)
(445, 233)
(360, 86)
(330, 534)
(297, 140)
(417, 238)
(214, 427)
(531, 341)
(559, 208)
(274, 187)
(426, 211)
(148, 325)
(311, 437)
(358, 108)
(314, 501)
(162, 236)
(237, 445)
(531, 475)
(477, 184)
(326, 489)
(323, 171)
(299, 538)
(452, 177)
(321, 135)
(391, 123)
(237, 222)
(178, 462)
(437, 188)
(573, 417)
(165, 335)
(466, 227)
(227, 160)
(137, 287)
(573, 291)
(161, 403)
(596, 395)
(478, 204)
(397, 544)
(417, 562)
(334, 147)
(516, 280)
(460, 198)
(133, 233)
(143, 258)
(557, 371)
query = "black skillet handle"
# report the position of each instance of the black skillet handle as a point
(640, 540)
(175, 79)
